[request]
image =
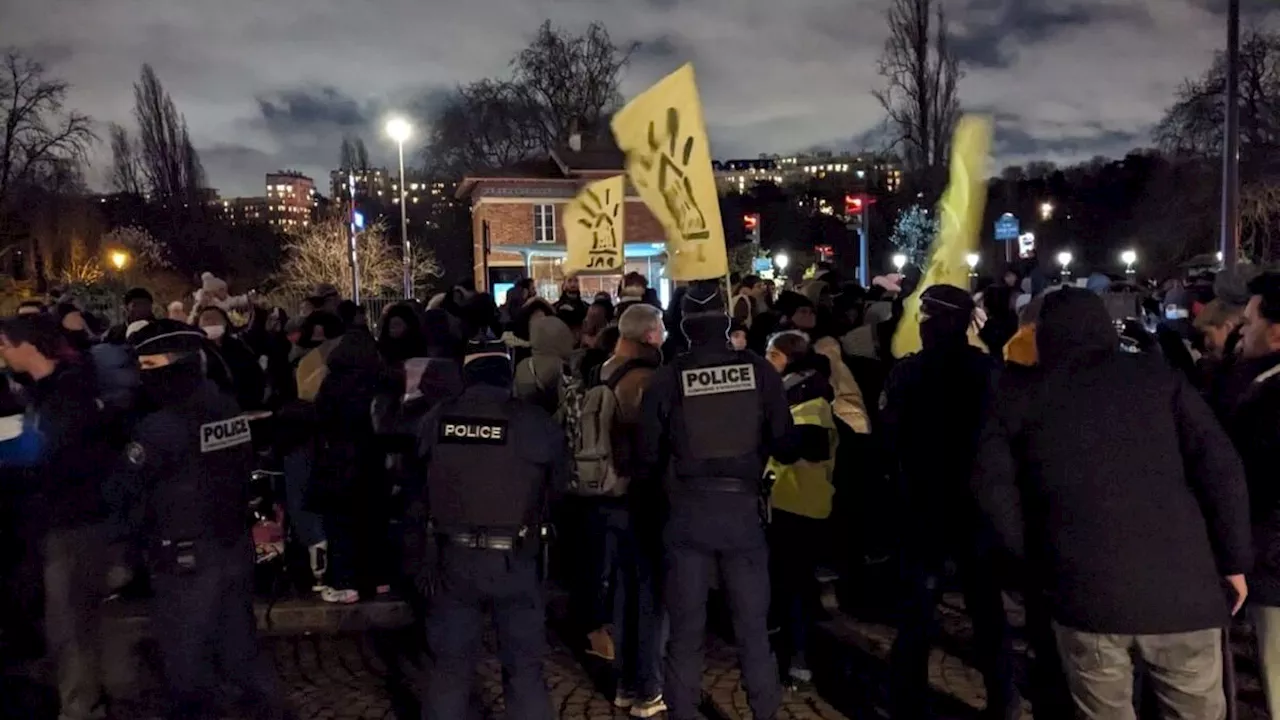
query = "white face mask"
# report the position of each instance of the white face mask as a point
(214, 331)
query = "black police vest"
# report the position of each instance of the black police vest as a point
(204, 493)
(478, 479)
(719, 409)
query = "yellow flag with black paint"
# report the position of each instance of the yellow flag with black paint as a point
(960, 221)
(594, 223)
(664, 137)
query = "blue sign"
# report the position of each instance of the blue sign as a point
(760, 265)
(357, 219)
(1007, 228)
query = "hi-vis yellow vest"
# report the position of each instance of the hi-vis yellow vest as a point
(805, 487)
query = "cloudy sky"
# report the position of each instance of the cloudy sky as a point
(266, 85)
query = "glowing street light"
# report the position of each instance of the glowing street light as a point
(1046, 210)
(782, 260)
(972, 260)
(1219, 256)
(399, 130)
(1064, 259)
(119, 259)
(899, 261)
(1128, 257)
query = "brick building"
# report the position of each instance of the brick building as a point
(521, 209)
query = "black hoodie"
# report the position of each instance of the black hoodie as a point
(1112, 477)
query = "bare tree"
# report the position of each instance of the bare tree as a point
(560, 84)
(921, 73)
(126, 174)
(318, 254)
(353, 155)
(168, 160)
(361, 154)
(37, 133)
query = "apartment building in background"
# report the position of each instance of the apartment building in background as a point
(872, 172)
(290, 200)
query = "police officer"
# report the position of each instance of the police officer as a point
(710, 419)
(492, 465)
(188, 467)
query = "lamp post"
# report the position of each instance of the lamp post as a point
(899, 262)
(1129, 257)
(972, 260)
(1064, 259)
(1046, 211)
(781, 261)
(1231, 142)
(119, 259)
(399, 130)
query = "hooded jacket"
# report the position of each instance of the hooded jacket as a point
(537, 377)
(1109, 474)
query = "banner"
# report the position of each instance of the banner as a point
(593, 228)
(669, 161)
(960, 213)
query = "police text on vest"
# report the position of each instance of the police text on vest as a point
(718, 380)
(481, 431)
(223, 434)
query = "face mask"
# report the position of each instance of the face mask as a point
(214, 331)
(164, 385)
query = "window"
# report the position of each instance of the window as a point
(544, 223)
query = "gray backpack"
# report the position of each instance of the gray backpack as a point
(593, 406)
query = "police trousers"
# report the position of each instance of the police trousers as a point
(207, 633)
(475, 583)
(705, 531)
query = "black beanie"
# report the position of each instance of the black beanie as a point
(702, 298)
(167, 336)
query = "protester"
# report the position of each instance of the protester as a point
(247, 376)
(138, 306)
(1107, 473)
(401, 337)
(539, 377)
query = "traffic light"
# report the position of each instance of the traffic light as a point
(751, 223)
(853, 205)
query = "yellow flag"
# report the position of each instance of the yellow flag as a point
(669, 161)
(960, 218)
(593, 227)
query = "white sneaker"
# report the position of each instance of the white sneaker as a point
(623, 699)
(649, 708)
(340, 597)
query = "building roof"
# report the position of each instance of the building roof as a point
(562, 163)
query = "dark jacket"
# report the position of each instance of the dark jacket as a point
(348, 461)
(1110, 475)
(72, 455)
(1254, 426)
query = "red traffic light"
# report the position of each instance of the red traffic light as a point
(751, 222)
(853, 204)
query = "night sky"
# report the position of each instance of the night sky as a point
(267, 84)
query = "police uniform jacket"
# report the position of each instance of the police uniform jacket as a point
(189, 465)
(715, 414)
(493, 462)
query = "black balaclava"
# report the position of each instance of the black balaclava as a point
(948, 311)
(177, 381)
(703, 319)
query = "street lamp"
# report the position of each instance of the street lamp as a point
(1128, 257)
(781, 260)
(119, 259)
(899, 262)
(972, 260)
(1046, 210)
(399, 130)
(1064, 259)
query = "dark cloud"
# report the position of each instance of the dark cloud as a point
(270, 85)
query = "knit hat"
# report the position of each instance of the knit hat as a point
(211, 283)
(164, 336)
(485, 346)
(702, 299)
(789, 302)
(946, 300)
(1232, 285)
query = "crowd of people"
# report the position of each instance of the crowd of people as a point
(1110, 467)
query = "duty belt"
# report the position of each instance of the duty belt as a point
(482, 541)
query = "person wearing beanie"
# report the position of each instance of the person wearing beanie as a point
(214, 292)
(937, 397)
(186, 472)
(494, 464)
(138, 306)
(707, 420)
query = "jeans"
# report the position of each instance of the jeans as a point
(74, 588)
(1266, 626)
(640, 628)
(794, 542)
(1185, 669)
(308, 527)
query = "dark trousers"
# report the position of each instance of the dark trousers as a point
(207, 633)
(794, 542)
(634, 565)
(720, 529)
(476, 582)
(356, 559)
(909, 662)
(74, 588)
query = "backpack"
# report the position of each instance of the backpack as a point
(588, 413)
